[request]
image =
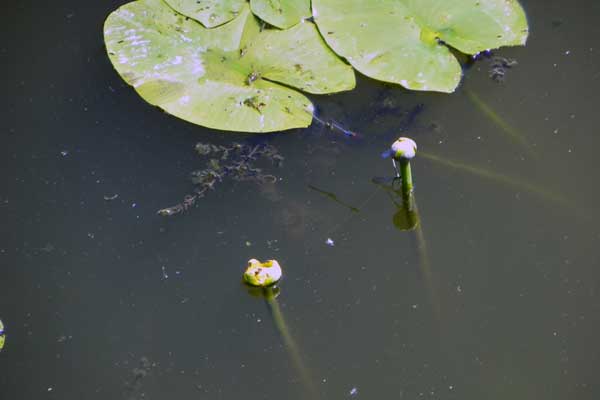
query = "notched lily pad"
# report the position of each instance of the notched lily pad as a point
(210, 13)
(403, 41)
(281, 13)
(225, 77)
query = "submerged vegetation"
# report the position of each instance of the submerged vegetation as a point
(236, 162)
(239, 66)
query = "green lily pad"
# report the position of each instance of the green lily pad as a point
(225, 77)
(402, 41)
(281, 13)
(210, 13)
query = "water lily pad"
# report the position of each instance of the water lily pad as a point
(402, 41)
(281, 13)
(225, 77)
(210, 13)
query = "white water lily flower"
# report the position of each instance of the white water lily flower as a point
(404, 148)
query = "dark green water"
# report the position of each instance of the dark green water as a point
(107, 300)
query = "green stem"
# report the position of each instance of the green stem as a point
(407, 182)
(289, 342)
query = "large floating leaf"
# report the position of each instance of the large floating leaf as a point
(399, 40)
(281, 13)
(210, 13)
(224, 77)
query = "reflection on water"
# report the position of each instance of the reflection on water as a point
(491, 293)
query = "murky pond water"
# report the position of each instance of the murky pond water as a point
(496, 296)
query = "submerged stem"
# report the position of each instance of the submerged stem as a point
(289, 342)
(512, 133)
(507, 180)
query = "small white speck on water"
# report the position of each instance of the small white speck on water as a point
(330, 242)
(353, 391)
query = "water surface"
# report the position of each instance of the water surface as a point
(104, 299)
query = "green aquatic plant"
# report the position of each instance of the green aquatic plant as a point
(209, 13)
(281, 13)
(402, 151)
(406, 216)
(226, 65)
(233, 77)
(407, 41)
